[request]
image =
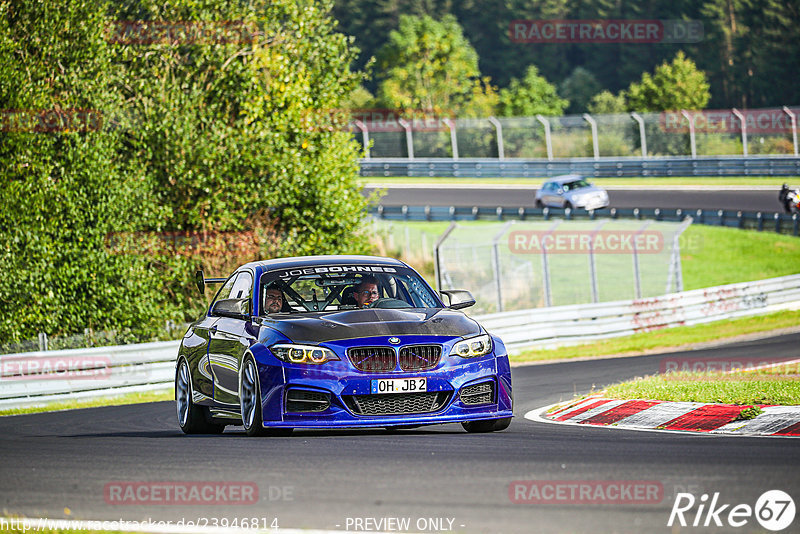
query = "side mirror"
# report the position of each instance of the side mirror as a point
(457, 299)
(234, 308)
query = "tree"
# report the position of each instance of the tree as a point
(607, 102)
(530, 96)
(578, 88)
(62, 188)
(428, 65)
(673, 86)
(201, 134)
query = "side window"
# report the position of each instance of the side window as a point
(242, 287)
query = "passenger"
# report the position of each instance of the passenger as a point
(366, 292)
(273, 299)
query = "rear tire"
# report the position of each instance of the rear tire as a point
(250, 403)
(490, 425)
(192, 419)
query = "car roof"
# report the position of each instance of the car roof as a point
(564, 178)
(305, 261)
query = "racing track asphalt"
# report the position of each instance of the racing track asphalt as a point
(744, 199)
(56, 460)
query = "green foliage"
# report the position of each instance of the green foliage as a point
(359, 98)
(429, 65)
(62, 189)
(533, 95)
(578, 88)
(676, 85)
(607, 102)
(206, 137)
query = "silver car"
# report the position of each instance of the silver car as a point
(571, 191)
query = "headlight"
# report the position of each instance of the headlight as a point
(308, 354)
(473, 347)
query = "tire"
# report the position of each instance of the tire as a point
(539, 204)
(489, 425)
(192, 419)
(250, 402)
(569, 206)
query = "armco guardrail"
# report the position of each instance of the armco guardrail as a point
(47, 376)
(598, 168)
(100, 371)
(587, 322)
(746, 220)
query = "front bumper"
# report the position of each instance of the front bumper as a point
(348, 390)
(593, 203)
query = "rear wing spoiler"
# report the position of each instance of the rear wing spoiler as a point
(201, 281)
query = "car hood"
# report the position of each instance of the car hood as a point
(332, 326)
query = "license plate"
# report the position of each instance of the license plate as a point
(398, 385)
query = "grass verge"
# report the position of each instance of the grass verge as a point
(130, 398)
(666, 339)
(712, 256)
(780, 387)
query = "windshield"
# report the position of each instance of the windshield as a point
(344, 287)
(577, 184)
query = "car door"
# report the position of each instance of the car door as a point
(551, 195)
(229, 339)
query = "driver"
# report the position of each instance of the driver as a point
(366, 292)
(273, 298)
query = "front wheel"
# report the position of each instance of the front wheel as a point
(490, 425)
(191, 417)
(250, 402)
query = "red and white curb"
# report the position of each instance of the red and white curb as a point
(637, 414)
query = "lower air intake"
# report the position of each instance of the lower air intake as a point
(482, 393)
(300, 400)
(397, 403)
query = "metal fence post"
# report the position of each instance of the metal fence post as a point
(691, 132)
(437, 257)
(548, 290)
(453, 142)
(547, 140)
(499, 129)
(365, 136)
(496, 264)
(593, 266)
(409, 137)
(43, 342)
(793, 121)
(642, 136)
(595, 146)
(744, 129)
(637, 278)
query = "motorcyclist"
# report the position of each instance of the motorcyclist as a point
(789, 199)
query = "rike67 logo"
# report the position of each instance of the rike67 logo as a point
(774, 510)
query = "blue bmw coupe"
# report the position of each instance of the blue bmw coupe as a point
(338, 342)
